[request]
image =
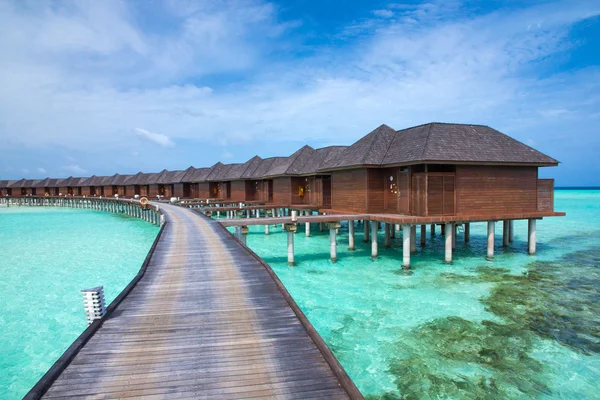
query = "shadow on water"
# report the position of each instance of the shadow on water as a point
(455, 358)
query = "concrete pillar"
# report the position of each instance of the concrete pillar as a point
(532, 236)
(443, 229)
(505, 233)
(393, 231)
(423, 235)
(448, 247)
(467, 233)
(454, 229)
(406, 246)
(366, 228)
(413, 238)
(267, 229)
(238, 232)
(307, 229)
(388, 241)
(397, 227)
(291, 229)
(490, 240)
(244, 234)
(432, 227)
(351, 235)
(374, 252)
(321, 228)
(332, 245)
(333, 227)
(511, 231)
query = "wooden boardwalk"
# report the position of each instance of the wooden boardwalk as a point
(206, 321)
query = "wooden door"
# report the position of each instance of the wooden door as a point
(403, 189)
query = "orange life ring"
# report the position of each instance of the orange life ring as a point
(47, 195)
(144, 201)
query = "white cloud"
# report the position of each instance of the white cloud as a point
(41, 170)
(429, 62)
(157, 138)
(25, 171)
(74, 169)
(383, 13)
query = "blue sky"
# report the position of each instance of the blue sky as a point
(92, 87)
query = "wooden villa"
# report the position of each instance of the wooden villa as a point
(436, 169)
(439, 169)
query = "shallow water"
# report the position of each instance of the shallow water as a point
(518, 327)
(48, 256)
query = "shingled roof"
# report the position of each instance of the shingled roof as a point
(291, 165)
(367, 151)
(250, 167)
(216, 171)
(437, 142)
(196, 175)
(320, 157)
(169, 177)
(262, 168)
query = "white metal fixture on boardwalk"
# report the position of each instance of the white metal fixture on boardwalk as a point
(93, 303)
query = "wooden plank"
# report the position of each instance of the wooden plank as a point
(207, 320)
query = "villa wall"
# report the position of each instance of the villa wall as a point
(489, 189)
(349, 190)
(282, 190)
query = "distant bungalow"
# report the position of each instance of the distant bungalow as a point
(427, 170)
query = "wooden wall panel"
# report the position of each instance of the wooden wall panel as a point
(482, 189)
(152, 190)
(435, 195)
(108, 191)
(349, 190)
(178, 190)
(449, 188)
(418, 199)
(545, 195)
(86, 191)
(376, 186)
(238, 191)
(282, 188)
(203, 190)
(298, 183)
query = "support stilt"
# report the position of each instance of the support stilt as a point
(406, 246)
(532, 236)
(448, 244)
(388, 241)
(423, 235)
(505, 233)
(350, 235)
(413, 238)
(467, 233)
(374, 250)
(490, 239)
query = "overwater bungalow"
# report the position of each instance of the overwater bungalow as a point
(4, 189)
(436, 169)
(196, 179)
(167, 182)
(439, 169)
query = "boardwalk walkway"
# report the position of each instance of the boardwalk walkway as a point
(207, 321)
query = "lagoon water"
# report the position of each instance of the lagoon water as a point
(516, 327)
(47, 256)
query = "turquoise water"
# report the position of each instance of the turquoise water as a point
(48, 256)
(517, 327)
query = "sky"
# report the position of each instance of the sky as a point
(100, 87)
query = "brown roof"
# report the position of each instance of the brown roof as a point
(437, 142)
(368, 150)
(320, 157)
(461, 143)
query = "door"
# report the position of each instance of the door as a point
(403, 191)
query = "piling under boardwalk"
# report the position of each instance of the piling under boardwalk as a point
(208, 320)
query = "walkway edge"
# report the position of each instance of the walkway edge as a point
(46, 381)
(329, 357)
